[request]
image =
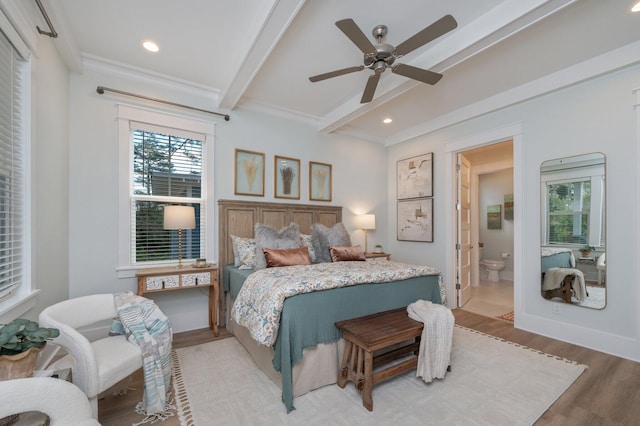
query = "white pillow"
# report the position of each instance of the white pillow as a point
(244, 252)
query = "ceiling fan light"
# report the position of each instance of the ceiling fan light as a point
(636, 7)
(387, 120)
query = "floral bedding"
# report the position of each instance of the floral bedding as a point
(260, 301)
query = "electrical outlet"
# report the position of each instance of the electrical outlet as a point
(556, 309)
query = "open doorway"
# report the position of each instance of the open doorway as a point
(485, 269)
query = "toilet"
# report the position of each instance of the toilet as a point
(493, 267)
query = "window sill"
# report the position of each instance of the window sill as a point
(16, 305)
(130, 271)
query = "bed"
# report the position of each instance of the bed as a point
(308, 348)
(556, 257)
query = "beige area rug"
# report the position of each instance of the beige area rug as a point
(492, 382)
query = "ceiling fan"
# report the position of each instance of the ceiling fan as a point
(383, 55)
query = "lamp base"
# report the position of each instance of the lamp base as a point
(366, 243)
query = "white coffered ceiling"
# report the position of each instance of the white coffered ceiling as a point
(260, 53)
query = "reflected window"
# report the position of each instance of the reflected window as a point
(573, 204)
(568, 212)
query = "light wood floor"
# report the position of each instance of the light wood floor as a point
(490, 298)
(607, 393)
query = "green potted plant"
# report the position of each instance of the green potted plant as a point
(586, 250)
(20, 342)
(377, 248)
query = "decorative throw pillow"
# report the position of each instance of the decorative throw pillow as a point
(288, 257)
(306, 241)
(244, 252)
(345, 254)
(267, 237)
(322, 238)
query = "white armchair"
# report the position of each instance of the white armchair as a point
(601, 267)
(63, 402)
(97, 365)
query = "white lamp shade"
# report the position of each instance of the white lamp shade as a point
(366, 221)
(179, 217)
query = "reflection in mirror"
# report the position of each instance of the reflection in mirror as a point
(573, 231)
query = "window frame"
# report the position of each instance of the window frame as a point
(18, 300)
(127, 114)
(593, 174)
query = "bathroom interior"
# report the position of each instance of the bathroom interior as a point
(492, 230)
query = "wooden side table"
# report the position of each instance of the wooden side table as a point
(371, 255)
(171, 278)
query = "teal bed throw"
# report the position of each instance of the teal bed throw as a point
(309, 319)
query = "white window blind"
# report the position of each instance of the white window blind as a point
(12, 168)
(167, 167)
(568, 208)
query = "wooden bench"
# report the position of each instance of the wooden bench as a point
(565, 291)
(375, 333)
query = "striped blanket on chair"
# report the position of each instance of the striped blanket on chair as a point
(146, 326)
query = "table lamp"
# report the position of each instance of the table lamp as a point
(179, 217)
(366, 222)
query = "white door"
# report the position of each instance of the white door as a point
(463, 243)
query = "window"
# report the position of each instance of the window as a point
(573, 201)
(166, 159)
(568, 210)
(167, 169)
(13, 168)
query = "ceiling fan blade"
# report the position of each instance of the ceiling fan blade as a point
(415, 73)
(335, 73)
(355, 34)
(432, 32)
(370, 88)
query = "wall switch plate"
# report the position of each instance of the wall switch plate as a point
(556, 309)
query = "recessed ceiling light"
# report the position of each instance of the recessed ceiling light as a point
(387, 120)
(636, 7)
(150, 46)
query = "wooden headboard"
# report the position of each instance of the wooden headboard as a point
(239, 218)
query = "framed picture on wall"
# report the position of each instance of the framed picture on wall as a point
(249, 173)
(286, 177)
(415, 177)
(494, 213)
(415, 220)
(319, 181)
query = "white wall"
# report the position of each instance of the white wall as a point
(492, 189)
(595, 116)
(358, 184)
(50, 177)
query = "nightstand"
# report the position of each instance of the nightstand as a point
(377, 255)
(172, 278)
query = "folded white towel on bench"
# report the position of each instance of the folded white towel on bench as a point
(554, 277)
(436, 339)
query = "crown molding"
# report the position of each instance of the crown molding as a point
(131, 73)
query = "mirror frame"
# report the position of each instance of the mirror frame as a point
(564, 272)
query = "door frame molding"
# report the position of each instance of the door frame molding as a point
(512, 132)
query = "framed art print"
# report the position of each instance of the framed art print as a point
(494, 216)
(249, 173)
(319, 181)
(415, 220)
(415, 177)
(286, 177)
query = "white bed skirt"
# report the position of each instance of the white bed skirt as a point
(319, 366)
